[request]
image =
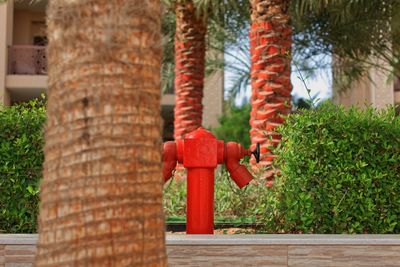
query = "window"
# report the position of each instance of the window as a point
(40, 40)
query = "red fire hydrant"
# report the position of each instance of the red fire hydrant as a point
(200, 152)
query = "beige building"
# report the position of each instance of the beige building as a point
(378, 90)
(23, 64)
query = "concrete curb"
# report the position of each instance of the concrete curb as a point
(175, 240)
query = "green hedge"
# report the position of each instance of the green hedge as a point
(21, 159)
(340, 173)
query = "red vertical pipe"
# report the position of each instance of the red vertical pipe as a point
(200, 201)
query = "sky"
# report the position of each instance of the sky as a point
(320, 85)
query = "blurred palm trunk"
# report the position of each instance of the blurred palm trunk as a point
(270, 49)
(101, 196)
(190, 50)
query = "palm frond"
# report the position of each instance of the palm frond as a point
(360, 32)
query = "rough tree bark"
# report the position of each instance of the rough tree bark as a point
(190, 50)
(101, 196)
(270, 49)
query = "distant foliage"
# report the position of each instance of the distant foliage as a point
(234, 126)
(21, 159)
(340, 173)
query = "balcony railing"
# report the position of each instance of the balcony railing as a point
(27, 60)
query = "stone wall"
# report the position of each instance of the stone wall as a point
(374, 88)
(248, 250)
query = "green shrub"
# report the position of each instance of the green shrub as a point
(21, 159)
(234, 126)
(340, 173)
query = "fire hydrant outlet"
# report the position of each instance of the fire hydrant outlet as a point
(169, 160)
(239, 173)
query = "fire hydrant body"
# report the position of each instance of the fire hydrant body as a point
(200, 153)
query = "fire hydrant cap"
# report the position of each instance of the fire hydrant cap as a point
(200, 133)
(200, 149)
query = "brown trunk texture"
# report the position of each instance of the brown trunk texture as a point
(190, 50)
(101, 196)
(270, 49)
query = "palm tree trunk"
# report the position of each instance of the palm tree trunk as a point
(101, 196)
(190, 50)
(270, 42)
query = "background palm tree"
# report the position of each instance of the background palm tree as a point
(190, 49)
(358, 34)
(101, 196)
(270, 50)
(202, 31)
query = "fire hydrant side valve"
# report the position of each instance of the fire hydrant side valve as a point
(238, 172)
(220, 152)
(169, 160)
(179, 150)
